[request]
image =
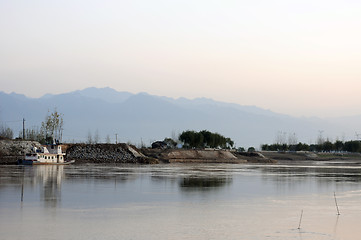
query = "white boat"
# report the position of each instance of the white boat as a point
(47, 155)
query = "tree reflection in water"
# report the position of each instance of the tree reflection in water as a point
(203, 184)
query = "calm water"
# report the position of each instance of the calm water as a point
(219, 201)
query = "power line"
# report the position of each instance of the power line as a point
(11, 121)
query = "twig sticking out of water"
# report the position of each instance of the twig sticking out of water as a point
(299, 225)
(338, 212)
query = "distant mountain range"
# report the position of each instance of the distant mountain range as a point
(145, 118)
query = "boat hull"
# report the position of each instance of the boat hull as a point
(31, 162)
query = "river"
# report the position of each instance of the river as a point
(182, 201)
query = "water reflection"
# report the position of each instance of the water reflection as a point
(204, 184)
(102, 173)
(24, 181)
(49, 179)
(219, 201)
(259, 180)
(322, 172)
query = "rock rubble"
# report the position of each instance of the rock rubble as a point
(106, 153)
(13, 150)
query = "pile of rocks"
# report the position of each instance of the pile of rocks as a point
(13, 150)
(106, 153)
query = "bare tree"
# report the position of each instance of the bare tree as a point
(281, 137)
(89, 138)
(33, 134)
(96, 136)
(175, 136)
(320, 138)
(107, 139)
(6, 132)
(52, 127)
(292, 139)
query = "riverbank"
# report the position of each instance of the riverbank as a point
(12, 150)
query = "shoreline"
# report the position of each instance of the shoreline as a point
(13, 150)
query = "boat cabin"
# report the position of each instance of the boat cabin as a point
(46, 154)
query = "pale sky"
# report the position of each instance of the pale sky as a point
(301, 58)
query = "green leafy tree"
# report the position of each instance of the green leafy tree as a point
(170, 142)
(338, 145)
(302, 147)
(352, 146)
(204, 139)
(251, 149)
(241, 149)
(327, 146)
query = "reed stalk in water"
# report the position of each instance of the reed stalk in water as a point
(338, 212)
(299, 225)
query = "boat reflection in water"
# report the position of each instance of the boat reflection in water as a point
(47, 178)
(51, 177)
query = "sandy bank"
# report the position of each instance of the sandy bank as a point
(203, 156)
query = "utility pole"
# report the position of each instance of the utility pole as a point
(116, 138)
(23, 128)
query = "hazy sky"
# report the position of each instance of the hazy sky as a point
(296, 57)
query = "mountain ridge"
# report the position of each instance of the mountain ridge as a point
(145, 118)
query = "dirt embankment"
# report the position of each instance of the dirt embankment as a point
(204, 156)
(290, 156)
(254, 157)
